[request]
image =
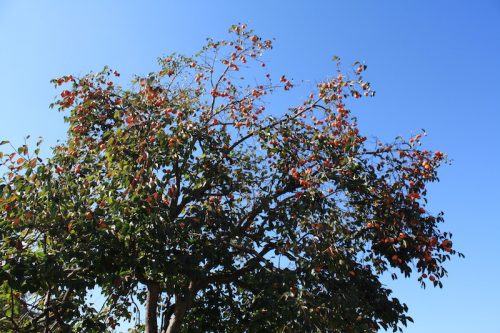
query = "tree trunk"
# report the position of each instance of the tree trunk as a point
(182, 305)
(151, 307)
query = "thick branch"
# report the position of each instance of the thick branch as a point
(151, 307)
(182, 305)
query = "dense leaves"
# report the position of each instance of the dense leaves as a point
(186, 197)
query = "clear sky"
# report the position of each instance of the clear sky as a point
(434, 64)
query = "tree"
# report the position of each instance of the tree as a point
(186, 197)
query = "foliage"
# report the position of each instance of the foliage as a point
(185, 196)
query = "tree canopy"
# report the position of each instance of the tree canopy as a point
(192, 207)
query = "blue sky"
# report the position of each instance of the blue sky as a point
(434, 64)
